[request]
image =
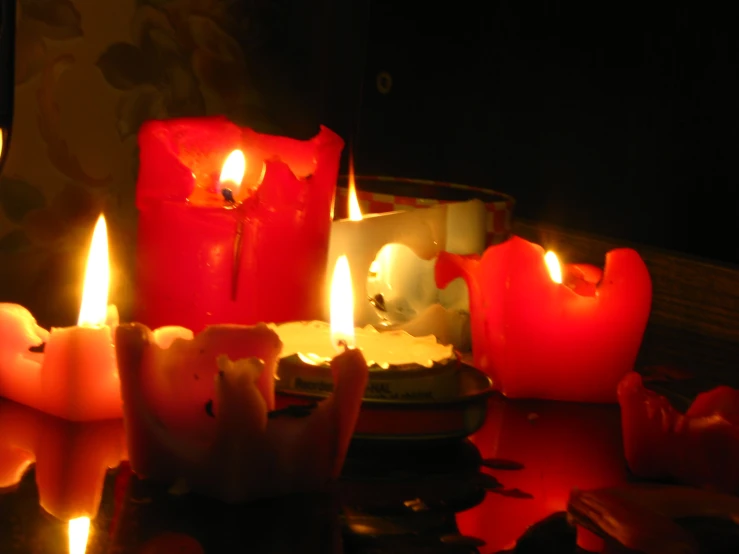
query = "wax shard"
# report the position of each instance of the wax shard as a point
(643, 517)
(239, 453)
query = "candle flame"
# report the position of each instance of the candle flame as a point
(79, 531)
(94, 306)
(233, 169)
(554, 267)
(355, 212)
(2, 140)
(342, 305)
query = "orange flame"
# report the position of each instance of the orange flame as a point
(554, 267)
(233, 169)
(342, 305)
(94, 307)
(355, 212)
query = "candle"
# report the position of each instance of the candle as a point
(71, 458)
(75, 377)
(197, 413)
(243, 247)
(395, 251)
(539, 338)
(700, 447)
(402, 366)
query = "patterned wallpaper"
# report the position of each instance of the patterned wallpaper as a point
(88, 73)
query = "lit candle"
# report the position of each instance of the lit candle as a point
(401, 366)
(396, 250)
(197, 413)
(75, 377)
(238, 244)
(71, 458)
(541, 332)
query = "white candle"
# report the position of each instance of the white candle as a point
(458, 227)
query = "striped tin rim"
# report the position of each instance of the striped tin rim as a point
(428, 190)
(382, 194)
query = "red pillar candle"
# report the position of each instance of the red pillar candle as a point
(256, 252)
(572, 339)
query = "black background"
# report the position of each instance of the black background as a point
(620, 120)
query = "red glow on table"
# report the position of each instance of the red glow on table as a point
(537, 338)
(203, 259)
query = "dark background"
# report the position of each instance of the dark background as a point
(617, 120)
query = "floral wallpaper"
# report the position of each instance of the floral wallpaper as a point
(88, 73)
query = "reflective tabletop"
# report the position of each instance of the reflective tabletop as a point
(476, 495)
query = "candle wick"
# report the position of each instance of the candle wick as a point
(228, 196)
(343, 344)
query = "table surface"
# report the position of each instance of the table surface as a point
(478, 495)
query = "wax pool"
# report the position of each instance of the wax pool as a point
(202, 259)
(537, 338)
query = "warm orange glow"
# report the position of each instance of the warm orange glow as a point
(342, 305)
(355, 212)
(79, 530)
(554, 267)
(233, 169)
(2, 141)
(94, 306)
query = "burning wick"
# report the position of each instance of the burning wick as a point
(228, 196)
(233, 172)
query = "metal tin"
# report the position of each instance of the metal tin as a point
(457, 413)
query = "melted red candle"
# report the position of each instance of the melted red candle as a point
(541, 339)
(71, 458)
(698, 448)
(187, 230)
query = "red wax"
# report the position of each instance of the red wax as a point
(698, 448)
(186, 262)
(541, 339)
(71, 458)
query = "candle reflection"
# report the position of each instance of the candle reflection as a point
(559, 446)
(71, 458)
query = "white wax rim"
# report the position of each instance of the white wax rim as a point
(311, 340)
